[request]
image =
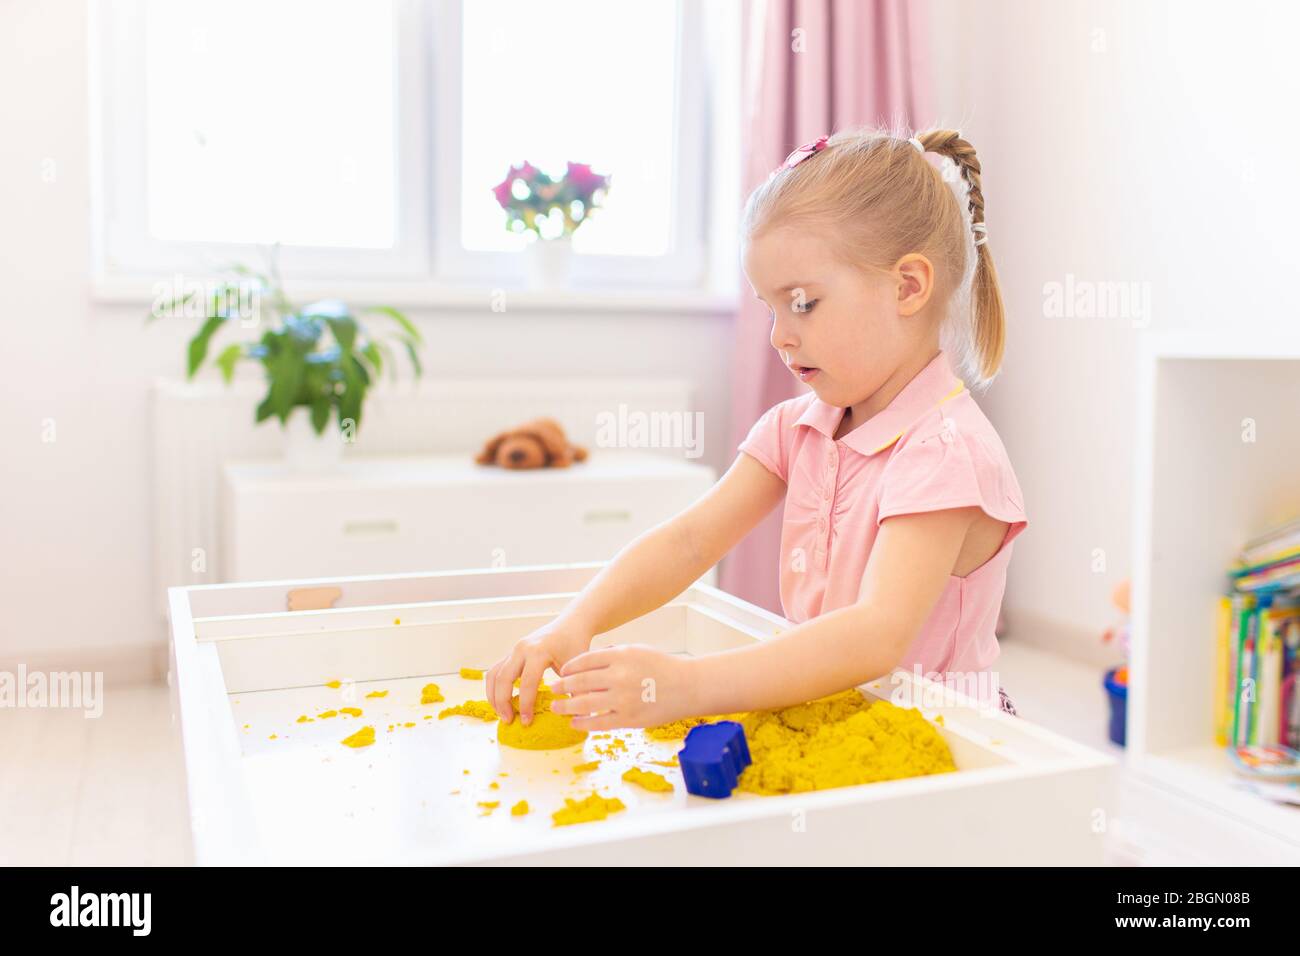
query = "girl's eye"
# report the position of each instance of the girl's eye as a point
(807, 306)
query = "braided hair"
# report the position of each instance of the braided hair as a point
(989, 315)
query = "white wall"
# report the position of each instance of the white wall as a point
(1158, 151)
(1120, 141)
(75, 513)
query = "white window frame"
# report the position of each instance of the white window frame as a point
(428, 45)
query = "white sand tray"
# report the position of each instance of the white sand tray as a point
(243, 671)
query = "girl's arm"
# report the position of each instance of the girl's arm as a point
(910, 562)
(663, 562)
(650, 571)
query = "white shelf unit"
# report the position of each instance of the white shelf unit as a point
(1203, 489)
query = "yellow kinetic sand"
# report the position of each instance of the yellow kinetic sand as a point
(652, 781)
(362, 738)
(594, 807)
(836, 741)
(480, 709)
(548, 731)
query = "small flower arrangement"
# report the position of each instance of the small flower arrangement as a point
(551, 208)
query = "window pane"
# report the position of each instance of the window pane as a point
(271, 121)
(587, 81)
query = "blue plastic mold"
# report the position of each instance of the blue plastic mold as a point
(713, 758)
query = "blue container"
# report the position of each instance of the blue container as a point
(1118, 694)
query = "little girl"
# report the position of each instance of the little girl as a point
(900, 502)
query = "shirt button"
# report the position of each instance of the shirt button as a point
(821, 524)
(826, 492)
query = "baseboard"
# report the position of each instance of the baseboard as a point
(121, 665)
(1084, 646)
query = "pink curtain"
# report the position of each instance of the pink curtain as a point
(810, 67)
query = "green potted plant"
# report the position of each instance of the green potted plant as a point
(320, 358)
(551, 209)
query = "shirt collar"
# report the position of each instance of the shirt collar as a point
(932, 386)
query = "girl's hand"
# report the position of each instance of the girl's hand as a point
(548, 646)
(631, 685)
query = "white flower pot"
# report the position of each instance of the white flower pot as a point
(549, 262)
(307, 452)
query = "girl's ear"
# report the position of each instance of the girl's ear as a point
(915, 277)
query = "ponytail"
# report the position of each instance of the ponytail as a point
(988, 314)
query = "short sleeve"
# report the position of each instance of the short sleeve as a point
(942, 468)
(764, 441)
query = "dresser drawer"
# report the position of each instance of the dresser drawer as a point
(445, 512)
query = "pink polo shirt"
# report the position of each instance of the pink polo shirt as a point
(931, 448)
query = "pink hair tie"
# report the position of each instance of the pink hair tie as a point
(804, 152)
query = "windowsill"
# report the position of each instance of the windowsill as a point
(437, 297)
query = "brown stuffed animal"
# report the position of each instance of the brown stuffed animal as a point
(536, 444)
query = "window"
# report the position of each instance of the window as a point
(365, 136)
(246, 154)
(599, 90)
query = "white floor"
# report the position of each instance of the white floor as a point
(1058, 693)
(93, 792)
(110, 790)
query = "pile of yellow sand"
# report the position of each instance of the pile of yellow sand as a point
(836, 741)
(548, 730)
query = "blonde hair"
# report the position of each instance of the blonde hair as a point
(880, 198)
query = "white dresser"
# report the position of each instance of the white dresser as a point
(443, 512)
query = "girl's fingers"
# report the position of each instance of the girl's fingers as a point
(583, 705)
(582, 682)
(606, 721)
(588, 660)
(534, 668)
(505, 687)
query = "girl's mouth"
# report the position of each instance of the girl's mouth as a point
(805, 374)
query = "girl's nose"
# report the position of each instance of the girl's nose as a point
(783, 339)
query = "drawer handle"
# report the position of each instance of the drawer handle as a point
(370, 527)
(601, 515)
